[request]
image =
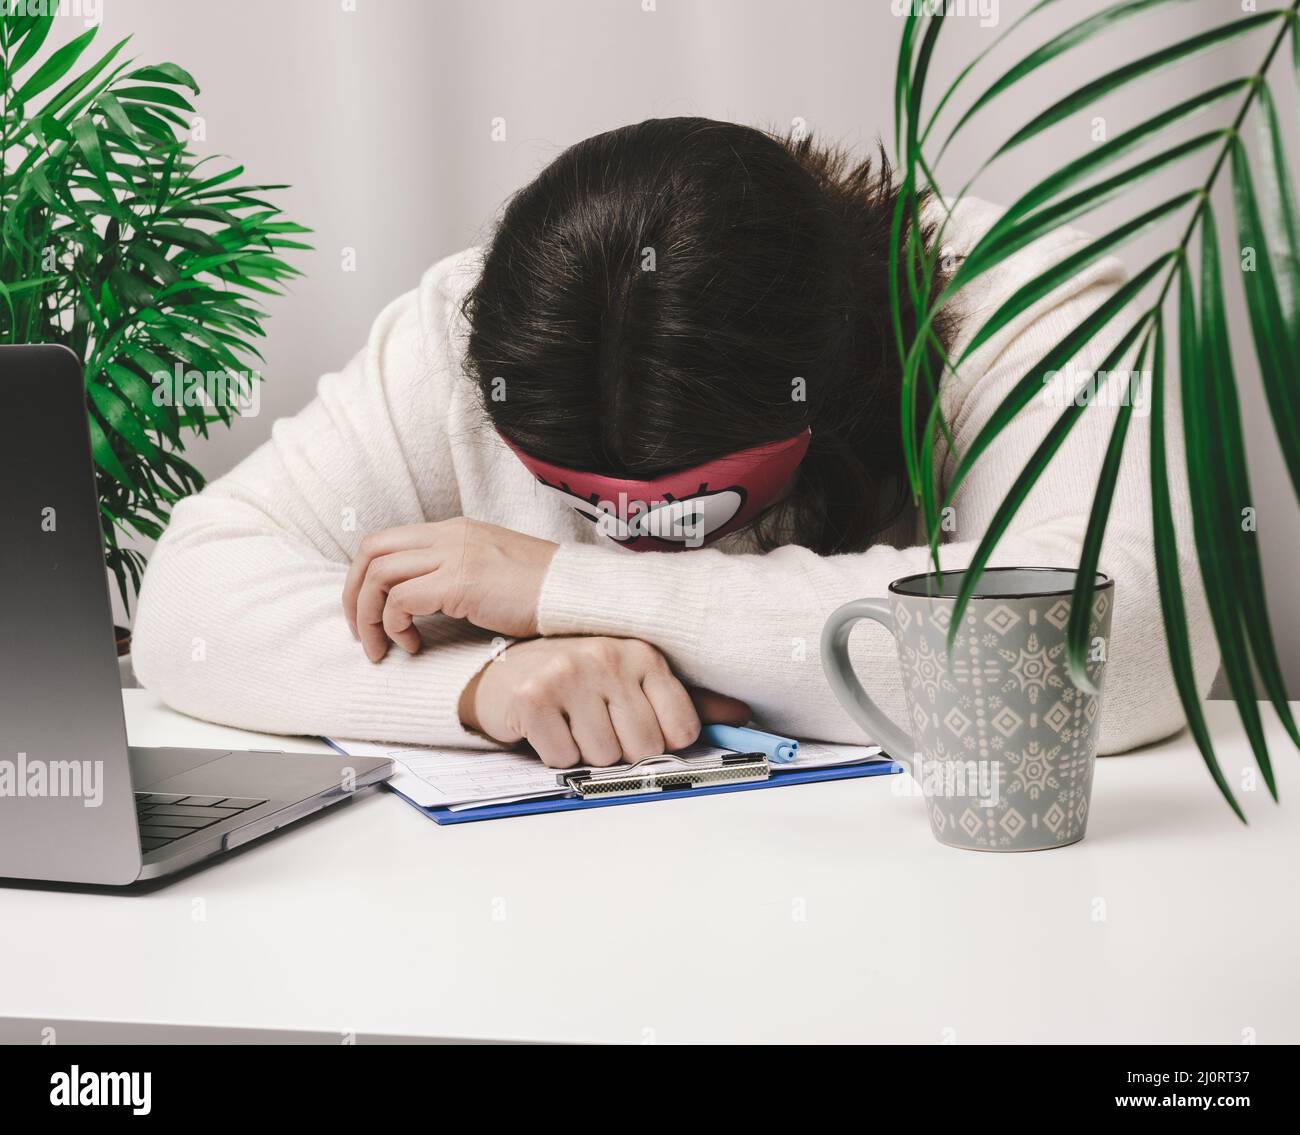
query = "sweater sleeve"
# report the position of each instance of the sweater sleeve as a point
(240, 618)
(750, 625)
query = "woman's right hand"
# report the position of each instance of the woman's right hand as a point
(590, 699)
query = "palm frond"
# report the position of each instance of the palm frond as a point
(1267, 222)
(146, 261)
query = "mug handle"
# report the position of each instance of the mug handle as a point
(896, 742)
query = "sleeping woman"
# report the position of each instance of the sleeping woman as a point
(604, 479)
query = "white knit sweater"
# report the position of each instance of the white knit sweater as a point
(240, 620)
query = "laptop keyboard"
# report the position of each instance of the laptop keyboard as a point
(164, 817)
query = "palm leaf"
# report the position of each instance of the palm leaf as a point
(1055, 359)
(1213, 500)
(1268, 222)
(33, 35)
(1042, 285)
(1168, 567)
(157, 258)
(54, 68)
(1228, 453)
(1032, 215)
(1274, 296)
(1087, 95)
(1024, 483)
(1085, 585)
(1058, 45)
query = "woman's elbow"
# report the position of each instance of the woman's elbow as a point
(167, 637)
(161, 639)
(1140, 701)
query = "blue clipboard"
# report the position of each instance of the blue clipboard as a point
(777, 779)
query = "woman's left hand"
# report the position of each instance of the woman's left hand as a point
(462, 568)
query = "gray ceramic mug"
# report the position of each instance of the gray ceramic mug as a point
(999, 739)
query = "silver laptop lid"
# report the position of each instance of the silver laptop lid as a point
(66, 807)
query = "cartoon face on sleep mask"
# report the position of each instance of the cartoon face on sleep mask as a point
(688, 509)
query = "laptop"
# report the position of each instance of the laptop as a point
(77, 805)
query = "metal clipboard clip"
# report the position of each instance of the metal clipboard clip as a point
(665, 774)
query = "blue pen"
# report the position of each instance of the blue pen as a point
(779, 750)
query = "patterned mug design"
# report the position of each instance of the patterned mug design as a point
(999, 738)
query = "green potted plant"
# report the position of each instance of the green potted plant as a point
(1173, 309)
(148, 262)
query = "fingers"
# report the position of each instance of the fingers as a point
(583, 699)
(423, 595)
(678, 721)
(371, 618)
(601, 734)
(377, 544)
(718, 709)
(546, 730)
(637, 727)
(593, 731)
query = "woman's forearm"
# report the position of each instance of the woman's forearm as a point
(747, 626)
(241, 624)
(240, 617)
(750, 626)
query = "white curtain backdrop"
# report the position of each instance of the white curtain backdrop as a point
(379, 114)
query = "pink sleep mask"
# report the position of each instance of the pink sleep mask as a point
(680, 510)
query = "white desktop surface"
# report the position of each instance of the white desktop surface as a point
(822, 912)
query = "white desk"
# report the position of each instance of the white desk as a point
(815, 913)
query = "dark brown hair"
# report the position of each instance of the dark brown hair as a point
(669, 292)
